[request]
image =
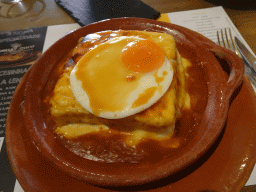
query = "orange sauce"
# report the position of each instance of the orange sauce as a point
(144, 97)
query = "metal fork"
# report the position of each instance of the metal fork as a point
(225, 39)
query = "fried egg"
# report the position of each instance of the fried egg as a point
(121, 77)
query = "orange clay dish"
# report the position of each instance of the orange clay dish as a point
(99, 113)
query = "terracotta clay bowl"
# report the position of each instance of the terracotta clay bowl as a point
(222, 80)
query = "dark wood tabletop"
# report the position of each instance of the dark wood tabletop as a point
(47, 12)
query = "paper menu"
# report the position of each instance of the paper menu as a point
(55, 32)
(205, 21)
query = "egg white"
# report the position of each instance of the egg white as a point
(147, 81)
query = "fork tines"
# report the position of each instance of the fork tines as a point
(225, 39)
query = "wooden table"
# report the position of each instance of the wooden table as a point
(47, 12)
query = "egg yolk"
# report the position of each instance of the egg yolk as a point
(143, 56)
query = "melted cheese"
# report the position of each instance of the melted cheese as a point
(73, 120)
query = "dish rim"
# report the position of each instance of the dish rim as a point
(228, 88)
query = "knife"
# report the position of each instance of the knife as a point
(250, 73)
(249, 60)
(248, 57)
